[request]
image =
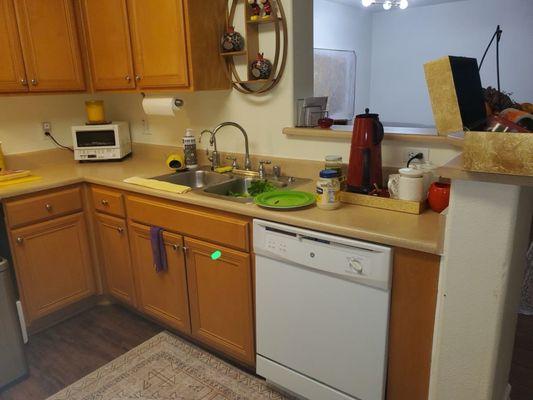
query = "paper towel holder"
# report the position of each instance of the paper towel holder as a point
(177, 102)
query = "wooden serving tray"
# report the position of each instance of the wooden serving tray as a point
(385, 203)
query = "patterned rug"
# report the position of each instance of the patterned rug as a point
(166, 367)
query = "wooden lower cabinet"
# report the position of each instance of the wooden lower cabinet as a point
(220, 297)
(115, 256)
(53, 264)
(161, 295)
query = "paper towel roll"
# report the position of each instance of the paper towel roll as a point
(160, 106)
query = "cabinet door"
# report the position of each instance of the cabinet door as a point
(108, 44)
(159, 46)
(12, 74)
(220, 296)
(162, 295)
(53, 264)
(50, 45)
(115, 251)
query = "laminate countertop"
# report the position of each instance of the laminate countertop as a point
(417, 232)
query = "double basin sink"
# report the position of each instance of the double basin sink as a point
(227, 186)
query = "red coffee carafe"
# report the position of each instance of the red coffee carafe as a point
(365, 169)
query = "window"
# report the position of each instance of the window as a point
(334, 77)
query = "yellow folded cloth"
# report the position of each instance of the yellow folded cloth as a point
(159, 185)
(7, 175)
(25, 179)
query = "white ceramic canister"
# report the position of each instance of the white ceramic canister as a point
(408, 185)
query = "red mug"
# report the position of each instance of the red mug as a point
(439, 196)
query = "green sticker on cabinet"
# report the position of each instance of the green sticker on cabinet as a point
(216, 255)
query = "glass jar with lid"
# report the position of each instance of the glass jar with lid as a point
(335, 163)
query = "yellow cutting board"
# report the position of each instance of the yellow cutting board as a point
(16, 181)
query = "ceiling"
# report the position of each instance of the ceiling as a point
(412, 3)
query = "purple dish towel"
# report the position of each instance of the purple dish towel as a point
(159, 253)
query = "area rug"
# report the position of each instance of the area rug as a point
(166, 367)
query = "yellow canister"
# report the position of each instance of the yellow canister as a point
(95, 111)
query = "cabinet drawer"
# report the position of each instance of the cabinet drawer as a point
(45, 206)
(108, 201)
(213, 226)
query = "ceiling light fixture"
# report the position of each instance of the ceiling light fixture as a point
(387, 4)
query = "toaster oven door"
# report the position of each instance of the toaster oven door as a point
(96, 138)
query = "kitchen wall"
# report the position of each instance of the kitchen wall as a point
(263, 117)
(404, 40)
(342, 27)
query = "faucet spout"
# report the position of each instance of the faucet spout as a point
(247, 161)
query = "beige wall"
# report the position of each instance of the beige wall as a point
(263, 117)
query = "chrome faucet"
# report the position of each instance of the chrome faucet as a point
(214, 158)
(247, 161)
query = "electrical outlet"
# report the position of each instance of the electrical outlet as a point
(47, 127)
(410, 152)
(146, 127)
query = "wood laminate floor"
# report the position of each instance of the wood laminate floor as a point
(521, 378)
(61, 355)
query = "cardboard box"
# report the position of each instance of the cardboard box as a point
(456, 93)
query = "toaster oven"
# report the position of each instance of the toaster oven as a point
(101, 142)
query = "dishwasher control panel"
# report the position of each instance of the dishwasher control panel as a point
(348, 259)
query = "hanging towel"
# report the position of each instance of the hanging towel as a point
(159, 253)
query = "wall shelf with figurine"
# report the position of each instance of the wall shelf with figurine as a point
(263, 74)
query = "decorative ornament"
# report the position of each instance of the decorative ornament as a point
(261, 68)
(232, 41)
(256, 10)
(267, 8)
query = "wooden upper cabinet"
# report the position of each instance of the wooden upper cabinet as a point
(162, 295)
(220, 298)
(12, 73)
(108, 44)
(159, 43)
(50, 45)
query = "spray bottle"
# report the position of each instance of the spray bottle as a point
(189, 149)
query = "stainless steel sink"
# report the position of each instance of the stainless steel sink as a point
(230, 190)
(195, 179)
(225, 186)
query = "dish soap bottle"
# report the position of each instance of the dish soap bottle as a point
(189, 149)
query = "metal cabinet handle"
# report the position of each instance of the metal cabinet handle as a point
(48, 207)
(105, 203)
(176, 247)
(120, 230)
(34, 82)
(138, 78)
(23, 82)
(185, 250)
(20, 239)
(128, 78)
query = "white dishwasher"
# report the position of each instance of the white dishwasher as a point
(322, 311)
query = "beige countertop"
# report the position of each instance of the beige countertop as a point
(454, 170)
(417, 232)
